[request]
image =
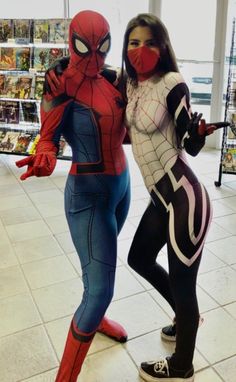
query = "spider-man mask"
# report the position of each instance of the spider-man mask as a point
(89, 42)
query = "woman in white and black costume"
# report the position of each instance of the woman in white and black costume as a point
(161, 127)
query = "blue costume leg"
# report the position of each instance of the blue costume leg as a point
(96, 208)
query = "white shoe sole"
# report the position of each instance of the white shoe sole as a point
(168, 338)
(149, 378)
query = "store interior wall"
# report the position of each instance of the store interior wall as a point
(67, 8)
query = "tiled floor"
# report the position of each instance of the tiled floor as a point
(40, 284)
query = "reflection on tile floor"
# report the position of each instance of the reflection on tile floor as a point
(40, 283)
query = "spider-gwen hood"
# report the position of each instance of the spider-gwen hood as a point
(89, 42)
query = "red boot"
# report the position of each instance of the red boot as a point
(76, 348)
(112, 329)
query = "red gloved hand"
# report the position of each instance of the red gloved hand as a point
(54, 81)
(40, 164)
(205, 128)
(209, 128)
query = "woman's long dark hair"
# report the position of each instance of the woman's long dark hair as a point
(167, 62)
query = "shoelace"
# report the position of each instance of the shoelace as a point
(162, 367)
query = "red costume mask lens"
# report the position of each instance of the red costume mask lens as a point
(143, 59)
(89, 42)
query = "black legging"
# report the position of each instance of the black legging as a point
(179, 286)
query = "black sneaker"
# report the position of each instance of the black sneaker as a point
(161, 371)
(168, 333)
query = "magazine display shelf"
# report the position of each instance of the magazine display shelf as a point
(228, 147)
(27, 48)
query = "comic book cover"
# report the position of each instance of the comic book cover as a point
(22, 30)
(24, 87)
(55, 54)
(33, 143)
(3, 116)
(229, 160)
(67, 24)
(41, 31)
(62, 146)
(30, 113)
(23, 58)
(66, 152)
(39, 85)
(23, 141)
(41, 59)
(2, 134)
(7, 58)
(12, 111)
(2, 85)
(9, 141)
(56, 30)
(11, 86)
(6, 30)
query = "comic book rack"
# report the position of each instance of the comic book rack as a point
(228, 147)
(27, 48)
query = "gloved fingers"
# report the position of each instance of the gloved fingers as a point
(27, 174)
(44, 164)
(25, 161)
(201, 127)
(197, 118)
(39, 164)
(210, 129)
(53, 81)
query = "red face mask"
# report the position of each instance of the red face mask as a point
(143, 59)
(89, 42)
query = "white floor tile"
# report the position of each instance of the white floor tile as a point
(41, 287)
(214, 339)
(21, 306)
(12, 282)
(126, 284)
(52, 208)
(224, 249)
(65, 241)
(227, 369)
(26, 231)
(220, 284)
(149, 316)
(97, 368)
(48, 376)
(19, 215)
(37, 249)
(227, 222)
(14, 201)
(57, 224)
(8, 257)
(58, 300)
(207, 375)
(47, 196)
(49, 271)
(25, 354)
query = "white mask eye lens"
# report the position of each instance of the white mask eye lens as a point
(105, 46)
(80, 46)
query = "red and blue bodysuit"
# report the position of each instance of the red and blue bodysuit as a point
(88, 111)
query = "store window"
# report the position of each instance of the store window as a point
(118, 13)
(23, 9)
(191, 25)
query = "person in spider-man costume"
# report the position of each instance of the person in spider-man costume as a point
(88, 110)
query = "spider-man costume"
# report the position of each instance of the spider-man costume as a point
(88, 110)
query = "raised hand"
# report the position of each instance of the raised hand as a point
(199, 128)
